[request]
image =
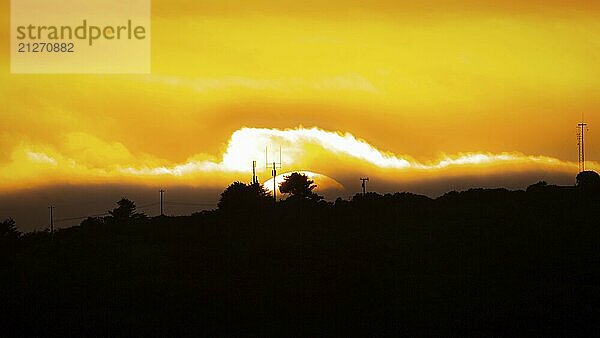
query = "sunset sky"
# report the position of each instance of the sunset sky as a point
(410, 93)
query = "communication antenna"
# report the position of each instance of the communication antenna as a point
(581, 129)
(254, 178)
(274, 166)
(364, 184)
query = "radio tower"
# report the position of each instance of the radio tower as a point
(581, 129)
(254, 178)
(364, 184)
(274, 166)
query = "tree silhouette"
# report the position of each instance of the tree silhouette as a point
(240, 196)
(9, 230)
(500, 262)
(125, 211)
(299, 186)
(588, 178)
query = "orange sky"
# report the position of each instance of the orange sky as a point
(426, 91)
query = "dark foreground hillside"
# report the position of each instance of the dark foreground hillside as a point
(481, 262)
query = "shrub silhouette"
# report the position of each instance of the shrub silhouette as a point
(539, 186)
(125, 211)
(93, 221)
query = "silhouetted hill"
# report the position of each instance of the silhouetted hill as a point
(478, 262)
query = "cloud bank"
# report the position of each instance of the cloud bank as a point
(83, 158)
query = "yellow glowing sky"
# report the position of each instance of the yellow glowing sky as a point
(404, 90)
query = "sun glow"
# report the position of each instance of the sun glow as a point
(321, 181)
(92, 160)
(404, 90)
(248, 144)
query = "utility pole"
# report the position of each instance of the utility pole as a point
(364, 184)
(581, 129)
(51, 207)
(161, 202)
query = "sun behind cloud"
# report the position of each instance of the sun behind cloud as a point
(87, 159)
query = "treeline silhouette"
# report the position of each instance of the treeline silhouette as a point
(478, 262)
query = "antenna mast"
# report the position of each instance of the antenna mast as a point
(581, 129)
(364, 184)
(274, 166)
(254, 178)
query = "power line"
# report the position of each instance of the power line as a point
(98, 214)
(191, 204)
(162, 202)
(80, 217)
(147, 205)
